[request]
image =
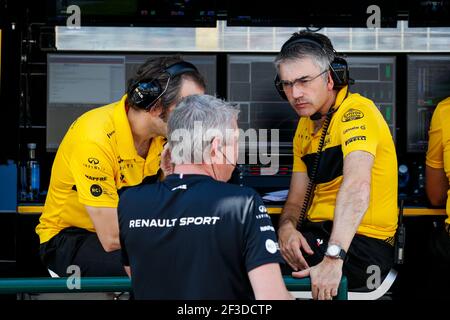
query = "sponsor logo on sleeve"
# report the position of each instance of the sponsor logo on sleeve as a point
(352, 114)
(266, 228)
(95, 178)
(350, 129)
(356, 138)
(96, 190)
(262, 209)
(271, 246)
(93, 161)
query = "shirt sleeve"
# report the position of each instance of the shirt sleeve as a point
(359, 130)
(261, 245)
(299, 165)
(435, 152)
(93, 172)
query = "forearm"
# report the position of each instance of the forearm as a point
(106, 226)
(290, 215)
(351, 204)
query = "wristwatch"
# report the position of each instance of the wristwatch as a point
(335, 251)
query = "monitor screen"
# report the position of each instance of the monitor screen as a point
(428, 84)
(77, 83)
(250, 83)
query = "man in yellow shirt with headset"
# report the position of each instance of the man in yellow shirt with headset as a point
(343, 192)
(438, 191)
(104, 151)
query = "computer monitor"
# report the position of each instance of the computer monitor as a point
(77, 83)
(375, 79)
(428, 84)
(250, 83)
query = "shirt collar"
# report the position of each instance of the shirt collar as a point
(340, 97)
(125, 142)
(124, 137)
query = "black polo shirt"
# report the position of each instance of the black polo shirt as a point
(192, 237)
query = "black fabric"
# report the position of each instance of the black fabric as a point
(171, 259)
(438, 281)
(362, 253)
(330, 166)
(75, 246)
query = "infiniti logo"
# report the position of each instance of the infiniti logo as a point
(93, 161)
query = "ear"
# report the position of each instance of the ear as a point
(216, 148)
(330, 82)
(156, 110)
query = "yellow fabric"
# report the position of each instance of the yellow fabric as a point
(438, 154)
(356, 125)
(97, 155)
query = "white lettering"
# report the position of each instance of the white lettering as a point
(207, 220)
(266, 228)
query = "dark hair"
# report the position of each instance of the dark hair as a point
(154, 68)
(323, 53)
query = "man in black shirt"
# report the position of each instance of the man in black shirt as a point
(193, 236)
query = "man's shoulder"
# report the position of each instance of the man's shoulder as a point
(94, 124)
(444, 106)
(140, 191)
(355, 100)
(358, 107)
(229, 188)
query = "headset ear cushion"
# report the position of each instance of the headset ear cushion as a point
(145, 94)
(339, 72)
(279, 87)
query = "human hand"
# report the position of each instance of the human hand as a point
(325, 278)
(291, 241)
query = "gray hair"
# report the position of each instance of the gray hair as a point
(321, 54)
(195, 122)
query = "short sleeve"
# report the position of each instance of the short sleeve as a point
(359, 130)
(93, 173)
(261, 245)
(299, 165)
(435, 152)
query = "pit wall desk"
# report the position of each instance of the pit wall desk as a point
(275, 210)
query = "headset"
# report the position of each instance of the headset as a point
(145, 94)
(338, 67)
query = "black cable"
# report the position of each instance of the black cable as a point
(315, 167)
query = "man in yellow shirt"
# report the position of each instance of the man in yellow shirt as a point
(348, 191)
(437, 187)
(104, 151)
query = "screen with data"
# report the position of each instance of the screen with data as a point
(77, 83)
(428, 84)
(250, 84)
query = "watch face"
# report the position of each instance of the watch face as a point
(333, 250)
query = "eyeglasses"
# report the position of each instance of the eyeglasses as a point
(302, 82)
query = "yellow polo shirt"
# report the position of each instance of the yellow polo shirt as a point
(438, 154)
(96, 158)
(356, 125)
